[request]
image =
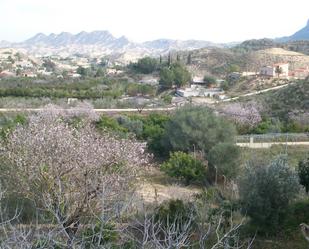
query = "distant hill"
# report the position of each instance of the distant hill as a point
(302, 34)
(220, 61)
(103, 38)
(301, 46)
(103, 43)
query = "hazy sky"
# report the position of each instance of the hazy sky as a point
(141, 20)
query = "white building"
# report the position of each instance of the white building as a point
(198, 91)
(270, 71)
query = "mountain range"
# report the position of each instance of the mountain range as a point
(103, 42)
(98, 43)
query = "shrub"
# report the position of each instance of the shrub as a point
(225, 157)
(146, 65)
(303, 173)
(196, 129)
(110, 124)
(266, 192)
(184, 166)
(210, 80)
(99, 234)
(173, 211)
(134, 126)
(297, 214)
(153, 130)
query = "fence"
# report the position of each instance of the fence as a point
(269, 139)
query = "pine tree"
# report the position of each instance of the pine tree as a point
(189, 59)
(169, 61)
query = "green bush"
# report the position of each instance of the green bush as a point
(268, 125)
(146, 65)
(111, 124)
(266, 192)
(225, 157)
(9, 123)
(196, 129)
(133, 126)
(210, 80)
(174, 211)
(134, 89)
(176, 74)
(184, 166)
(297, 214)
(303, 173)
(153, 130)
(100, 234)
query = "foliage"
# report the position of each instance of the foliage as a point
(153, 130)
(267, 125)
(225, 157)
(303, 173)
(181, 75)
(88, 88)
(185, 166)
(210, 80)
(173, 210)
(109, 123)
(99, 234)
(297, 214)
(167, 77)
(266, 192)
(133, 126)
(196, 129)
(82, 71)
(287, 100)
(140, 89)
(9, 124)
(146, 65)
(175, 74)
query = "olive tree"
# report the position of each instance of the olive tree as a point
(225, 158)
(196, 129)
(68, 168)
(266, 192)
(303, 173)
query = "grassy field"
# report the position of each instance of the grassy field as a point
(294, 153)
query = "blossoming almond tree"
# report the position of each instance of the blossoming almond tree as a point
(70, 171)
(244, 115)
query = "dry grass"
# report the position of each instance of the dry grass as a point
(156, 187)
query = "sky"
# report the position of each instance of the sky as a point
(142, 20)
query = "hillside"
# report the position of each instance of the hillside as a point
(260, 44)
(292, 99)
(219, 61)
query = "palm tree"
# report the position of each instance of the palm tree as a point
(278, 70)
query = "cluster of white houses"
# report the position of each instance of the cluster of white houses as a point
(278, 70)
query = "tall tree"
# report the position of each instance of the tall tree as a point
(181, 75)
(167, 77)
(189, 59)
(169, 59)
